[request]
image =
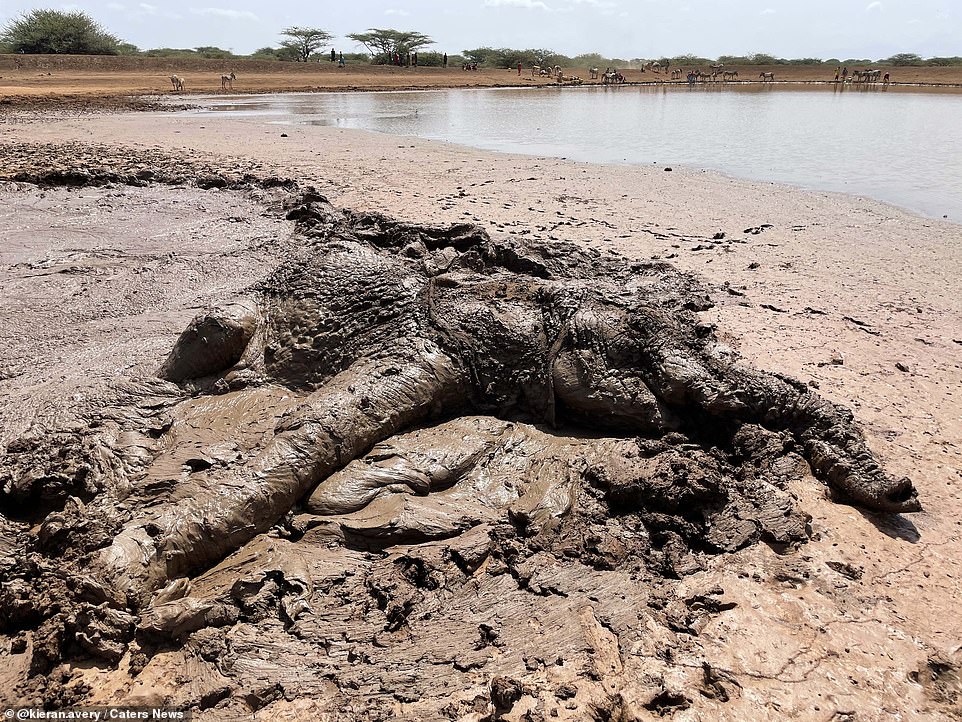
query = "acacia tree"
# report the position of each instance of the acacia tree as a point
(382, 43)
(53, 31)
(303, 42)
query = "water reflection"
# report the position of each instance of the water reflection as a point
(900, 147)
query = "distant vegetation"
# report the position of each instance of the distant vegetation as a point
(509, 58)
(207, 53)
(908, 59)
(76, 33)
(52, 31)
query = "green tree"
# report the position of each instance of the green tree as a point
(56, 32)
(429, 60)
(382, 43)
(170, 53)
(303, 42)
(509, 57)
(734, 59)
(212, 52)
(762, 59)
(481, 56)
(270, 53)
(543, 56)
(590, 60)
(688, 59)
(903, 59)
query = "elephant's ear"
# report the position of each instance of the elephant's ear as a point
(213, 342)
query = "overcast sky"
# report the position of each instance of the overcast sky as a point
(615, 28)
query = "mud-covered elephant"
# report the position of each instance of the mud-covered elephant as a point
(378, 327)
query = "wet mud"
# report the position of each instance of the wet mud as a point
(402, 471)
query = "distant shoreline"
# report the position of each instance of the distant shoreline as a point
(152, 102)
(101, 82)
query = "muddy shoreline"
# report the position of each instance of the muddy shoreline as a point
(83, 102)
(113, 83)
(849, 578)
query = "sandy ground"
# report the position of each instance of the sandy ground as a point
(860, 298)
(31, 79)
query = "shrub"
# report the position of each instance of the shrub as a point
(428, 60)
(55, 32)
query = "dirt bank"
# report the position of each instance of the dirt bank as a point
(860, 620)
(30, 80)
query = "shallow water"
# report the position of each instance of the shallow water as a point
(900, 147)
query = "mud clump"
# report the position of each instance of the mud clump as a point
(83, 165)
(416, 471)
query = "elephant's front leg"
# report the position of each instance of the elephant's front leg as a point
(644, 371)
(213, 514)
(712, 386)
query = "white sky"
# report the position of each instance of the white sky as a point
(615, 28)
